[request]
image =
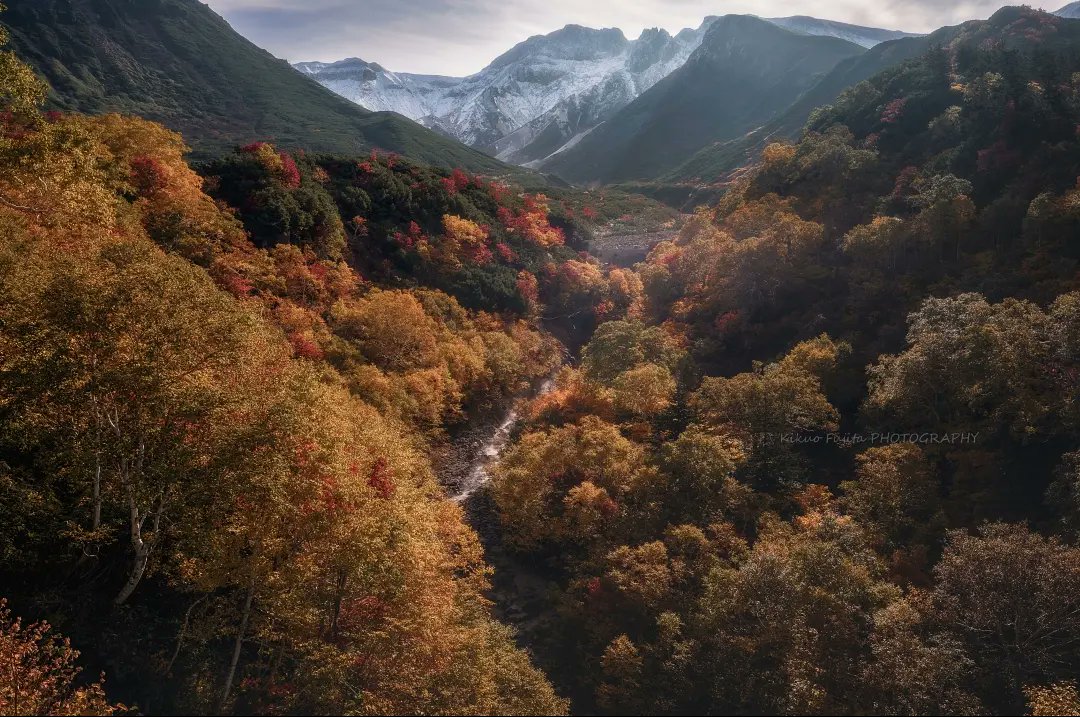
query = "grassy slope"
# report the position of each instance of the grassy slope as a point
(178, 63)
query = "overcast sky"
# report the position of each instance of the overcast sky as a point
(459, 37)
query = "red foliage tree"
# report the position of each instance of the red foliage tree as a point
(456, 182)
(528, 286)
(382, 479)
(727, 322)
(904, 182)
(505, 252)
(894, 111)
(303, 347)
(149, 175)
(290, 174)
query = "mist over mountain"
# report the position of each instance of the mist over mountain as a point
(719, 158)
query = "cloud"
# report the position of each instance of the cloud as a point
(458, 37)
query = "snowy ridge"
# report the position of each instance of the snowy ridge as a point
(543, 92)
(377, 89)
(547, 92)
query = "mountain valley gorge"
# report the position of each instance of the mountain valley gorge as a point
(725, 370)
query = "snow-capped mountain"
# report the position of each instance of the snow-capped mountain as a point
(379, 90)
(865, 36)
(530, 101)
(547, 93)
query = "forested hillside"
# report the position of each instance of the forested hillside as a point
(178, 63)
(818, 453)
(829, 463)
(214, 470)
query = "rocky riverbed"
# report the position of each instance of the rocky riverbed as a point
(521, 591)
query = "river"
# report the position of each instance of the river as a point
(486, 443)
(520, 589)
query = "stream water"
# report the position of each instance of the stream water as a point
(519, 590)
(491, 449)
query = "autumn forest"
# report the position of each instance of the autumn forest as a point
(814, 448)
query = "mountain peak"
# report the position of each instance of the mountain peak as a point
(548, 92)
(738, 20)
(533, 99)
(651, 33)
(571, 42)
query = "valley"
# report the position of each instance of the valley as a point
(729, 370)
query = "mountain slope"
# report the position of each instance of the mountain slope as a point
(531, 100)
(712, 162)
(643, 63)
(745, 72)
(1072, 11)
(178, 63)
(375, 88)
